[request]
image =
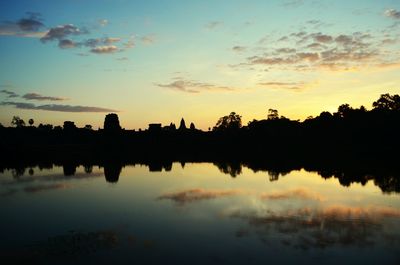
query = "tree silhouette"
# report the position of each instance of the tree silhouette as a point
(192, 127)
(273, 114)
(387, 102)
(343, 110)
(230, 122)
(17, 122)
(69, 126)
(88, 127)
(31, 122)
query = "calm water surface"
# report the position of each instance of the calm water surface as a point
(194, 215)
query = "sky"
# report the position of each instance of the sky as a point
(158, 61)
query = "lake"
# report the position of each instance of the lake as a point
(195, 213)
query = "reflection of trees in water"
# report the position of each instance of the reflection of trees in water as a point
(387, 179)
(388, 184)
(233, 169)
(18, 172)
(158, 166)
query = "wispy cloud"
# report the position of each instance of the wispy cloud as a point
(67, 44)
(10, 94)
(193, 195)
(392, 13)
(213, 25)
(148, 39)
(239, 49)
(299, 193)
(107, 49)
(109, 40)
(29, 26)
(190, 86)
(56, 107)
(68, 36)
(40, 188)
(293, 3)
(63, 31)
(36, 96)
(103, 22)
(313, 51)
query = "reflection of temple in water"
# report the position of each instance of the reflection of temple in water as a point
(69, 169)
(112, 172)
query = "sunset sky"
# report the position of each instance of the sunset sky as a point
(158, 61)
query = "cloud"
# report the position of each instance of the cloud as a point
(35, 96)
(193, 86)
(107, 49)
(308, 56)
(148, 39)
(292, 86)
(292, 59)
(299, 193)
(61, 32)
(91, 42)
(28, 26)
(111, 40)
(103, 22)
(56, 107)
(293, 3)
(322, 38)
(213, 25)
(193, 195)
(315, 51)
(286, 50)
(66, 44)
(316, 46)
(9, 93)
(40, 188)
(239, 48)
(99, 41)
(392, 13)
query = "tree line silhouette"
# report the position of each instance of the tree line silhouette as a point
(350, 134)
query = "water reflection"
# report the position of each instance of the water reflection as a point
(386, 178)
(194, 213)
(198, 194)
(337, 225)
(112, 172)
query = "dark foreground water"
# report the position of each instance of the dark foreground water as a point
(194, 214)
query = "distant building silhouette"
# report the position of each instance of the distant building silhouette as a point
(111, 123)
(182, 125)
(154, 127)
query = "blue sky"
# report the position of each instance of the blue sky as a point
(158, 61)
